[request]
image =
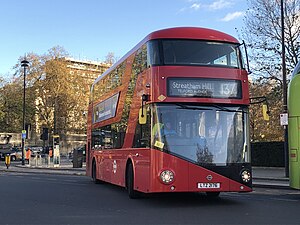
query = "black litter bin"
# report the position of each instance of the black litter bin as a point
(77, 158)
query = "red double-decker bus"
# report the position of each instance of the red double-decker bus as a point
(172, 116)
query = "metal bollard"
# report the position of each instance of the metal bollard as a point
(7, 160)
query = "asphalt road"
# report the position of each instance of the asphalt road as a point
(60, 199)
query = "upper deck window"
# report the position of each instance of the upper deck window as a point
(194, 52)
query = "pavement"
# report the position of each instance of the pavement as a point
(270, 177)
(267, 177)
(65, 168)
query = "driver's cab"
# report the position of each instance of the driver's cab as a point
(176, 133)
(202, 134)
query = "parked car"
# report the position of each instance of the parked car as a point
(35, 150)
(16, 154)
(4, 149)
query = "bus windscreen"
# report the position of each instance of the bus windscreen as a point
(197, 52)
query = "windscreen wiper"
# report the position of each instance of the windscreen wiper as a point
(182, 106)
(222, 108)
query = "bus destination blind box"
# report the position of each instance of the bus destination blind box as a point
(204, 88)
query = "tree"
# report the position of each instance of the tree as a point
(261, 130)
(110, 58)
(61, 93)
(59, 96)
(262, 32)
(11, 104)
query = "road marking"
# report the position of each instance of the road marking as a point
(285, 200)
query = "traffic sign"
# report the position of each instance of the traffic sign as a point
(23, 134)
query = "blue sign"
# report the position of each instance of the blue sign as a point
(106, 109)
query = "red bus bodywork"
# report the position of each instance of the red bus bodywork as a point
(111, 165)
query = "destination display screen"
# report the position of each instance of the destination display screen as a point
(106, 109)
(204, 88)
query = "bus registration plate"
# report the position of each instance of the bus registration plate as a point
(209, 185)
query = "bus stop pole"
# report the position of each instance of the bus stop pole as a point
(284, 90)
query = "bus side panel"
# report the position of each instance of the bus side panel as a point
(161, 161)
(112, 167)
(293, 97)
(141, 164)
(101, 160)
(117, 166)
(294, 130)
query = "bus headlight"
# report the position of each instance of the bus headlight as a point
(167, 176)
(246, 176)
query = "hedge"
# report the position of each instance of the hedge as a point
(268, 154)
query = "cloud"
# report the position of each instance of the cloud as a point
(216, 5)
(220, 4)
(195, 6)
(232, 16)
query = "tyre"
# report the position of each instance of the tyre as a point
(130, 183)
(94, 171)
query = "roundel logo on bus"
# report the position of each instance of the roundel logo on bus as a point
(209, 177)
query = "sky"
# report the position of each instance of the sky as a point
(90, 29)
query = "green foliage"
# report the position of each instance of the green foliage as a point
(11, 105)
(56, 97)
(261, 130)
(262, 33)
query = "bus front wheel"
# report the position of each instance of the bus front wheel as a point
(130, 183)
(213, 194)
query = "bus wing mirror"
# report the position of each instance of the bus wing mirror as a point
(266, 112)
(142, 112)
(247, 58)
(142, 116)
(265, 106)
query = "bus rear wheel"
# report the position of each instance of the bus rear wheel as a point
(130, 183)
(94, 170)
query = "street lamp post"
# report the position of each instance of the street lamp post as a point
(284, 90)
(24, 64)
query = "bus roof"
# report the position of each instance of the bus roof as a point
(191, 33)
(196, 33)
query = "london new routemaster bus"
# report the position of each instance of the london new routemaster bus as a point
(192, 79)
(294, 124)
